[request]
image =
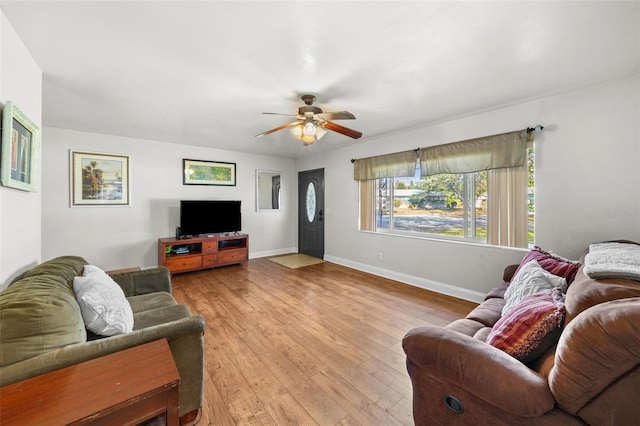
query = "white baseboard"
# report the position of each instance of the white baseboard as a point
(267, 253)
(438, 287)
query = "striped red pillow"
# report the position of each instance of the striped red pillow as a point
(531, 327)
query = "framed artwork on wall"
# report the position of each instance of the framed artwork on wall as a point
(196, 172)
(20, 155)
(99, 179)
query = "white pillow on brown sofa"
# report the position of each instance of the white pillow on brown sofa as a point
(530, 279)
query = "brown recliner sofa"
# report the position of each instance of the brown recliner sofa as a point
(591, 376)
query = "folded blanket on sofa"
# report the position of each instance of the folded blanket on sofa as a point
(613, 260)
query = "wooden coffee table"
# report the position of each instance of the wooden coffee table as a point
(124, 388)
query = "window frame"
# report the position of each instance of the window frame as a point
(469, 213)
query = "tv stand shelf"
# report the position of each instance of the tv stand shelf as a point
(203, 252)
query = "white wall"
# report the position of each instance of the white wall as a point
(20, 82)
(587, 188)
(116, 237)
(587, 169)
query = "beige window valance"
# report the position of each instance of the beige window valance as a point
(486, 153)
(399, 164)
(473, 155)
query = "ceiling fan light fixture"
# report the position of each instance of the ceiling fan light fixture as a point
(320, 132)
(311, 123)
(309, 129)
(308, 140)
(297, 131)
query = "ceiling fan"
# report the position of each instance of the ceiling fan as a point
(311, 123)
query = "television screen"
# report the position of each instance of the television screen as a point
(198, 217)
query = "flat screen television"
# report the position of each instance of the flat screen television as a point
(201, 217)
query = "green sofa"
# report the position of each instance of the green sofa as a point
(42, 329)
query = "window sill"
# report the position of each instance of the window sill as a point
(477, 242)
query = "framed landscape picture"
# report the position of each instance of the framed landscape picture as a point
(20, 156)
(197, 172)
(99, 179)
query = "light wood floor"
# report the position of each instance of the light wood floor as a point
(315, 345)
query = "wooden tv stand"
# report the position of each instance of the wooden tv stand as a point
(203, 252)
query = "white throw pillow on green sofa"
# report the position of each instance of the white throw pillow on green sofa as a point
(105, 309)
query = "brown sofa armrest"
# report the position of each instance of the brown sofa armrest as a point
(480, 369)
(144, 281)
(596, 349)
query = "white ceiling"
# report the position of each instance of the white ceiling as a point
(201, 73)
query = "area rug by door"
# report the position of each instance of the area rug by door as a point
(298, 260)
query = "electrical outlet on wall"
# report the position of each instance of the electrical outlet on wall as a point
(380, 255)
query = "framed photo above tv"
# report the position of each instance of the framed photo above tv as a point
(197, 172)
(99, 179)
(20, 157)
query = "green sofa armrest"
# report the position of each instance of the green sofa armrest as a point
(144, 281)
(81, 352)
(185, 337)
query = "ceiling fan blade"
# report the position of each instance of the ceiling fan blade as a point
(279, 113)
(341, 129)
(337, 115)
(284, 126)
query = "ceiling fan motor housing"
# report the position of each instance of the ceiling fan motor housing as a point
(311, 110)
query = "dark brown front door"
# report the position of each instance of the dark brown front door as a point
(311, 213)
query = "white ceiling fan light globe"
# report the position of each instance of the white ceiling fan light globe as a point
(297, 132)
(309, 129)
